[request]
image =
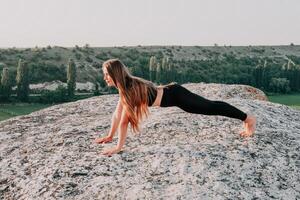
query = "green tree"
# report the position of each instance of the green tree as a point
(5, 87)
(71, 78)
(164, 63)
(22, 81)
(59, 95)
(152, 68)
(96, 91)
(280, 85)
(171, 71)
(261, 74)
(291, 72)
(164, 69)
(158, 73)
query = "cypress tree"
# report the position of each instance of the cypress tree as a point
(22, 81)
(158, 73)
(164, 63)
(71, 78)
(171, 72)
(152, 68)
(290, 72)
(164, 68)
(297, 74)
(5, 85)
(292, 75)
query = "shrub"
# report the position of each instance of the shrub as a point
(57, 96)
(280, 85)
(88, 59)
(78, 56)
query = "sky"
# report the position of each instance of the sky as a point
(103, 23)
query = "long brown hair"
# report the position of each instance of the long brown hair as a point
(133, 91)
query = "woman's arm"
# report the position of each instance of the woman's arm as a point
(115, 121)
(123, 130)
(122, 136)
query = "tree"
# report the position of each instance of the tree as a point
(261, 74)
(71, 78)
(5, 87)
(291, 72)
(60, 94)
(164, 63)
(171, 71)
(152, 68)
(96, 91)
(158, 73)
(164, 68)
(22, 81)
(280, 85)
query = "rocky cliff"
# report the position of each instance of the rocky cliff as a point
(51, 154)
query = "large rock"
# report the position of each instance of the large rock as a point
(50, 154)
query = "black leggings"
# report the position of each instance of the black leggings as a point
(176, 95)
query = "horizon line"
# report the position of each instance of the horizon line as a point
(118, 46)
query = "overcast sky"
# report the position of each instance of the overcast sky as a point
(29, 23)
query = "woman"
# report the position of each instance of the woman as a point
(137, 94)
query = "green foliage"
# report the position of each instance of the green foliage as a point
(254, 66)
(133, 54)
(158, 73)
(103, 56)
(5, 86)
(15, 109)
(22, 81)
(280, 85)
(258, 50)
(71, 78)
(46, 72)
(96, 91)
(287, 99)
(152, 68)
(77, 56)
(88, 59)
(57, 96)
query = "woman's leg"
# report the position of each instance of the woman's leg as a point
(176, 95)
(194, 103)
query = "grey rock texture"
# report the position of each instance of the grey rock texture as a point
(51, 154)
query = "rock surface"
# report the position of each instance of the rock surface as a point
(50, 154)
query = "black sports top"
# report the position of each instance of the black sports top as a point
(152, 93)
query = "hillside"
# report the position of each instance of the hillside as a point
(49, 64)
(50, 154)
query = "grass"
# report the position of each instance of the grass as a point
(11, 110)
(15, 109)
(292, 100)
(296, 107)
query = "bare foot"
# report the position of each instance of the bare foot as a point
(249, 125)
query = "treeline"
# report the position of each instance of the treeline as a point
(268, 74)
(269, 69)
(61, 94)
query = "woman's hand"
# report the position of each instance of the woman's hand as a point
(104, 139)
(111, 151)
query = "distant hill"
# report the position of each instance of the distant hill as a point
(49, 63)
